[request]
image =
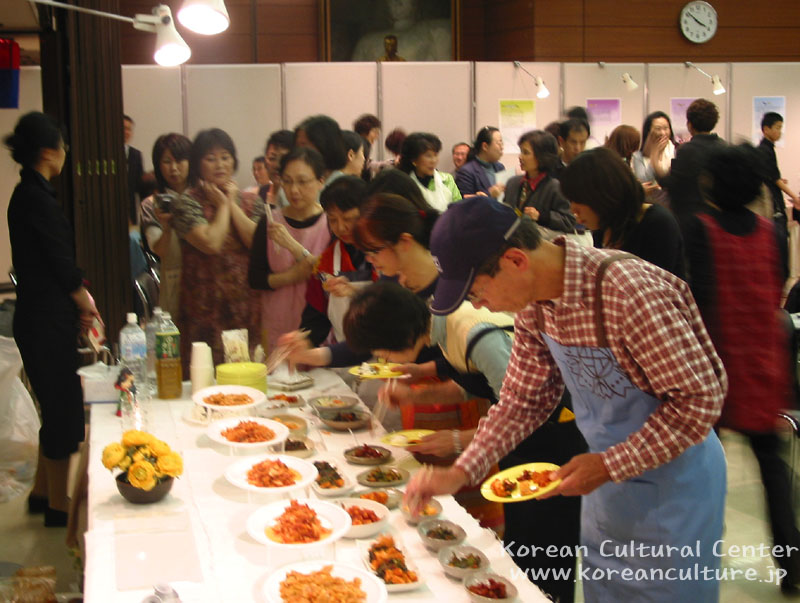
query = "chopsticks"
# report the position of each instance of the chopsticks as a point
(382, 407)
(282, 352)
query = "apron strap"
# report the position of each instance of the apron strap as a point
(599, 325)
(479, 335)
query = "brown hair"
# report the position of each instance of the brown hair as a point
(624, 140)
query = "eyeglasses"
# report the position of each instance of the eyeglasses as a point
(474, 296)
(302, 182)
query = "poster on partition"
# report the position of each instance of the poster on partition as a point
(766, 104)
(677, 115)
(517, 116)
(605, 114)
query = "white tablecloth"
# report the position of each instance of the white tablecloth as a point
(196, 538)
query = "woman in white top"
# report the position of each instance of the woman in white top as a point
(418, 159)
(658, 148)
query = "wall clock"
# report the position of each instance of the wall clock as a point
(698, 21)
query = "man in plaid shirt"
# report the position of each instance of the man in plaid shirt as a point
(627, 339)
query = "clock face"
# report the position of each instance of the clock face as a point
(698, 22)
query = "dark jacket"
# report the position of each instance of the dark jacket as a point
(471, 178)
(135, 175)
(554, 209)
(681, 182)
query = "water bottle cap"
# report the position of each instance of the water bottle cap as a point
(132, 318)
(158, 310)
(166, 316)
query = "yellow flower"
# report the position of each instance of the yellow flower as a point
(170, 464)
(142, 453)
(159, 448)
(125, 463)
(113, 454)
(136, 438)
(142, 475)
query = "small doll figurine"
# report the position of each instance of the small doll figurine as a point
(127, 389)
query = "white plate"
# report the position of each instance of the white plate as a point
(331, 516)
(366, 530)
(331, 492)
(258, 396)
(372, 586)
(363, 548)
(217, 427)
(236, 474)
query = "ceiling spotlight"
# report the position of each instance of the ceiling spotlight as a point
(718, 88)
(629, 83)
(543, 92)
(207, 17)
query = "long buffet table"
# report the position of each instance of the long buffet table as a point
(196, 537)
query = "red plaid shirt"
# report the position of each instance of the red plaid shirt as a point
(655, 332)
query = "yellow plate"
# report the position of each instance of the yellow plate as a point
(513, 473)
(384, 371)
(401, 439)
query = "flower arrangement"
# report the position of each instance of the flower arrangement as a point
(145, 459)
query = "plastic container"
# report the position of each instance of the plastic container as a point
(133, 350)
(150, 333)
(169, 374)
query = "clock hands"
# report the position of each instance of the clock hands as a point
(698, 20)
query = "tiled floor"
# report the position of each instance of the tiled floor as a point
(23, 539)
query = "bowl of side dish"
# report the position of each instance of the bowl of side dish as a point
(486, 587)
(367, 516)
(332, 403)
(432, 510)
(462, 560)
(437, 534)
(298, 426)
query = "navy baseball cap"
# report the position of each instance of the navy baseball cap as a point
(463, 238)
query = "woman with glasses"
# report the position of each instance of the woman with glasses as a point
(286, 245)
(53, 305)
(215, 223)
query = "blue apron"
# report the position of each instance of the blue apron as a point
(632, 525)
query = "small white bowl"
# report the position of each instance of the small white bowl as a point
(479, 577)
(302, 453)
(331, 492)
(329, 403)
(366, 530)
(461, 550)
(415, 519)
(435, 544)
(302, 424)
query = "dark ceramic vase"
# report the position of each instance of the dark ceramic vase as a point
(143, 497)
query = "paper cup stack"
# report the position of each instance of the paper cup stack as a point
(201, 366)
(251, 374)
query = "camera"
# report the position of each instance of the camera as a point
(164, 202)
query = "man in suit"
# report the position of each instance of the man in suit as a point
(135, 170)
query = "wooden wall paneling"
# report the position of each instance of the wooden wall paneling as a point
(287, 31)
(243, 100)
(671, 80)
(473, 30)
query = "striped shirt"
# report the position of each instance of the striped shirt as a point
(654, 331)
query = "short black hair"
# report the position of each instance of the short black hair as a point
(352, 141)
(577, 112)
(394, 140)
(364, 124)
(178, 145)
(260, 159)
(34, 131)
(526, 236)
(734, 172)
(386, 217)
(126, 117)
(573, 124)
(599, 180)
(460, 144)
(385, 316)
(545, 149)
(326, 136)
(311, 157)
(770, 119)
(703, 115)
(203, 143)
(344, 193)
(398, 183)
(280, 138)
(484, 136)
(415, 145)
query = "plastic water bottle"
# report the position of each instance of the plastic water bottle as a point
(150, 332)
(133, 351)
(168, 359)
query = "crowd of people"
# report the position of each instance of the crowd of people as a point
(615, 306)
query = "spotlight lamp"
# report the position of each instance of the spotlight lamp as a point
(207, 17)
(542, 92)
(716, 82)
(629, 83)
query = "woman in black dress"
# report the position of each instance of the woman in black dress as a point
(53, 305)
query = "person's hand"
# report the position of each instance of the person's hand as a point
(415, 372)
(650, 187)
(231, 190)
(213, 193)
(439, 443)
(399, 394)
(87, 312)
(496, 190)
(280, 235)
(654, 145)
(581, 475)
(339, 286)
(299, 350)
(532, 213)
(429, 482)
(164, 218)
(302, 270)
(481, 194)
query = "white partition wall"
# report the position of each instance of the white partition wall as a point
(503, 81)
(152, 97)
(429, 97)
(676, 80)
(243, 100)
(30, 99)
(343, 91)
(584, 81)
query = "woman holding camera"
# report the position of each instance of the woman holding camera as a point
(171, 167)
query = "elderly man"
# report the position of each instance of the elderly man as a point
(627, 340)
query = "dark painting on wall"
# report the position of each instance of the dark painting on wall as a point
(389, 30)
